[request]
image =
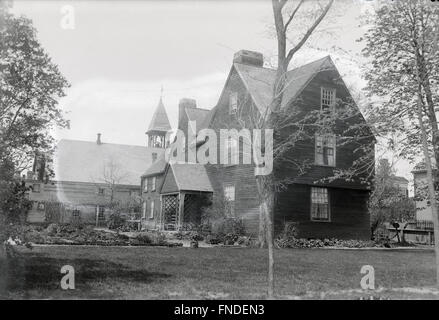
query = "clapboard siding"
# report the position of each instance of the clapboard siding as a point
(349, 215)
(348, 199)
(148, 197)
(82, 196)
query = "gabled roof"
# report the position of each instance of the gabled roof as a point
(196, 114)
(85, 161)
(260, 81)
(157, 167)
(160, 120)
(191, 177)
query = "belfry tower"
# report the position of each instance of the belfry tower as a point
(158, 127)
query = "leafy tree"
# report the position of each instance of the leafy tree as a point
(387, 203)
(30, 87)
(403, 75)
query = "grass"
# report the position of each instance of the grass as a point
(211, 273)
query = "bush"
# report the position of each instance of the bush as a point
(116, 221)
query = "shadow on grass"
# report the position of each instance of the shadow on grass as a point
(25, 273)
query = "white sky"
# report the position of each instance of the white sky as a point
(120, 53)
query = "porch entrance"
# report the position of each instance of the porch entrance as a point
(170, 209)
(183, 210)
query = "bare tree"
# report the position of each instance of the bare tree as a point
(111, 177)
(276, 119)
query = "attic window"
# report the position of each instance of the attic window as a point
(233, 102)
(327, 98)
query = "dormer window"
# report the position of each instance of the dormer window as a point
(327, 101)
(233, 102)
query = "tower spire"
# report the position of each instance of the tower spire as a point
(159, 125)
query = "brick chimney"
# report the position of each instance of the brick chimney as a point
(98, 140)
(183, 104)
(249, 57)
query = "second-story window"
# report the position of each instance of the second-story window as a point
(233, 102)
(36, 187)
(325, 150)
(153, 183)
(327, 100)
(145, 185)
(101, 191)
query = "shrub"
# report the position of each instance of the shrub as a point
(116, 221)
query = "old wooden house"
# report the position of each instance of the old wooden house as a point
(90, 177)
(175, 194)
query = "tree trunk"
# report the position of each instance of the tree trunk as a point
(430, 179)
(266, 192)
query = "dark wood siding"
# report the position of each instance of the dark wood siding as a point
(349, 215)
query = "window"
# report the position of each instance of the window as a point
(36, 187)
(154, 157)
(327, 100)
(233, 102)
(75, 213)
(40, 206)
(325, 147)
(144, 210)
(101, 191)
(153, 184)
(100, 210)
(232, 151)
(145, 185)
(229, 195)
(151, 213)
(320, 204)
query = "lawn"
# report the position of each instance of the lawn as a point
(212, 273)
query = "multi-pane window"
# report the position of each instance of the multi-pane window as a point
(145, 185)
(101, 191)
(229, 195)
(75, 213)
(320, 210)
(144, 209)
(153, 183)
(327, 98)
(233, 102)
(325, 150)
(100, 210)
(41, 206)
(151, 213)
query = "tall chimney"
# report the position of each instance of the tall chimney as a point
(98, 140)
(183, 104)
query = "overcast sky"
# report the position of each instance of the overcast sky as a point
(120, 53)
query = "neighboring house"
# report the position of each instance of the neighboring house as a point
(401, 183)
(90, 176)
(337, 209)
(423, 208)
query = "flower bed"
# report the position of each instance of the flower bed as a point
(319, 243)
(87, 235)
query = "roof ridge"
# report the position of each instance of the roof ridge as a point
(109, 143)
